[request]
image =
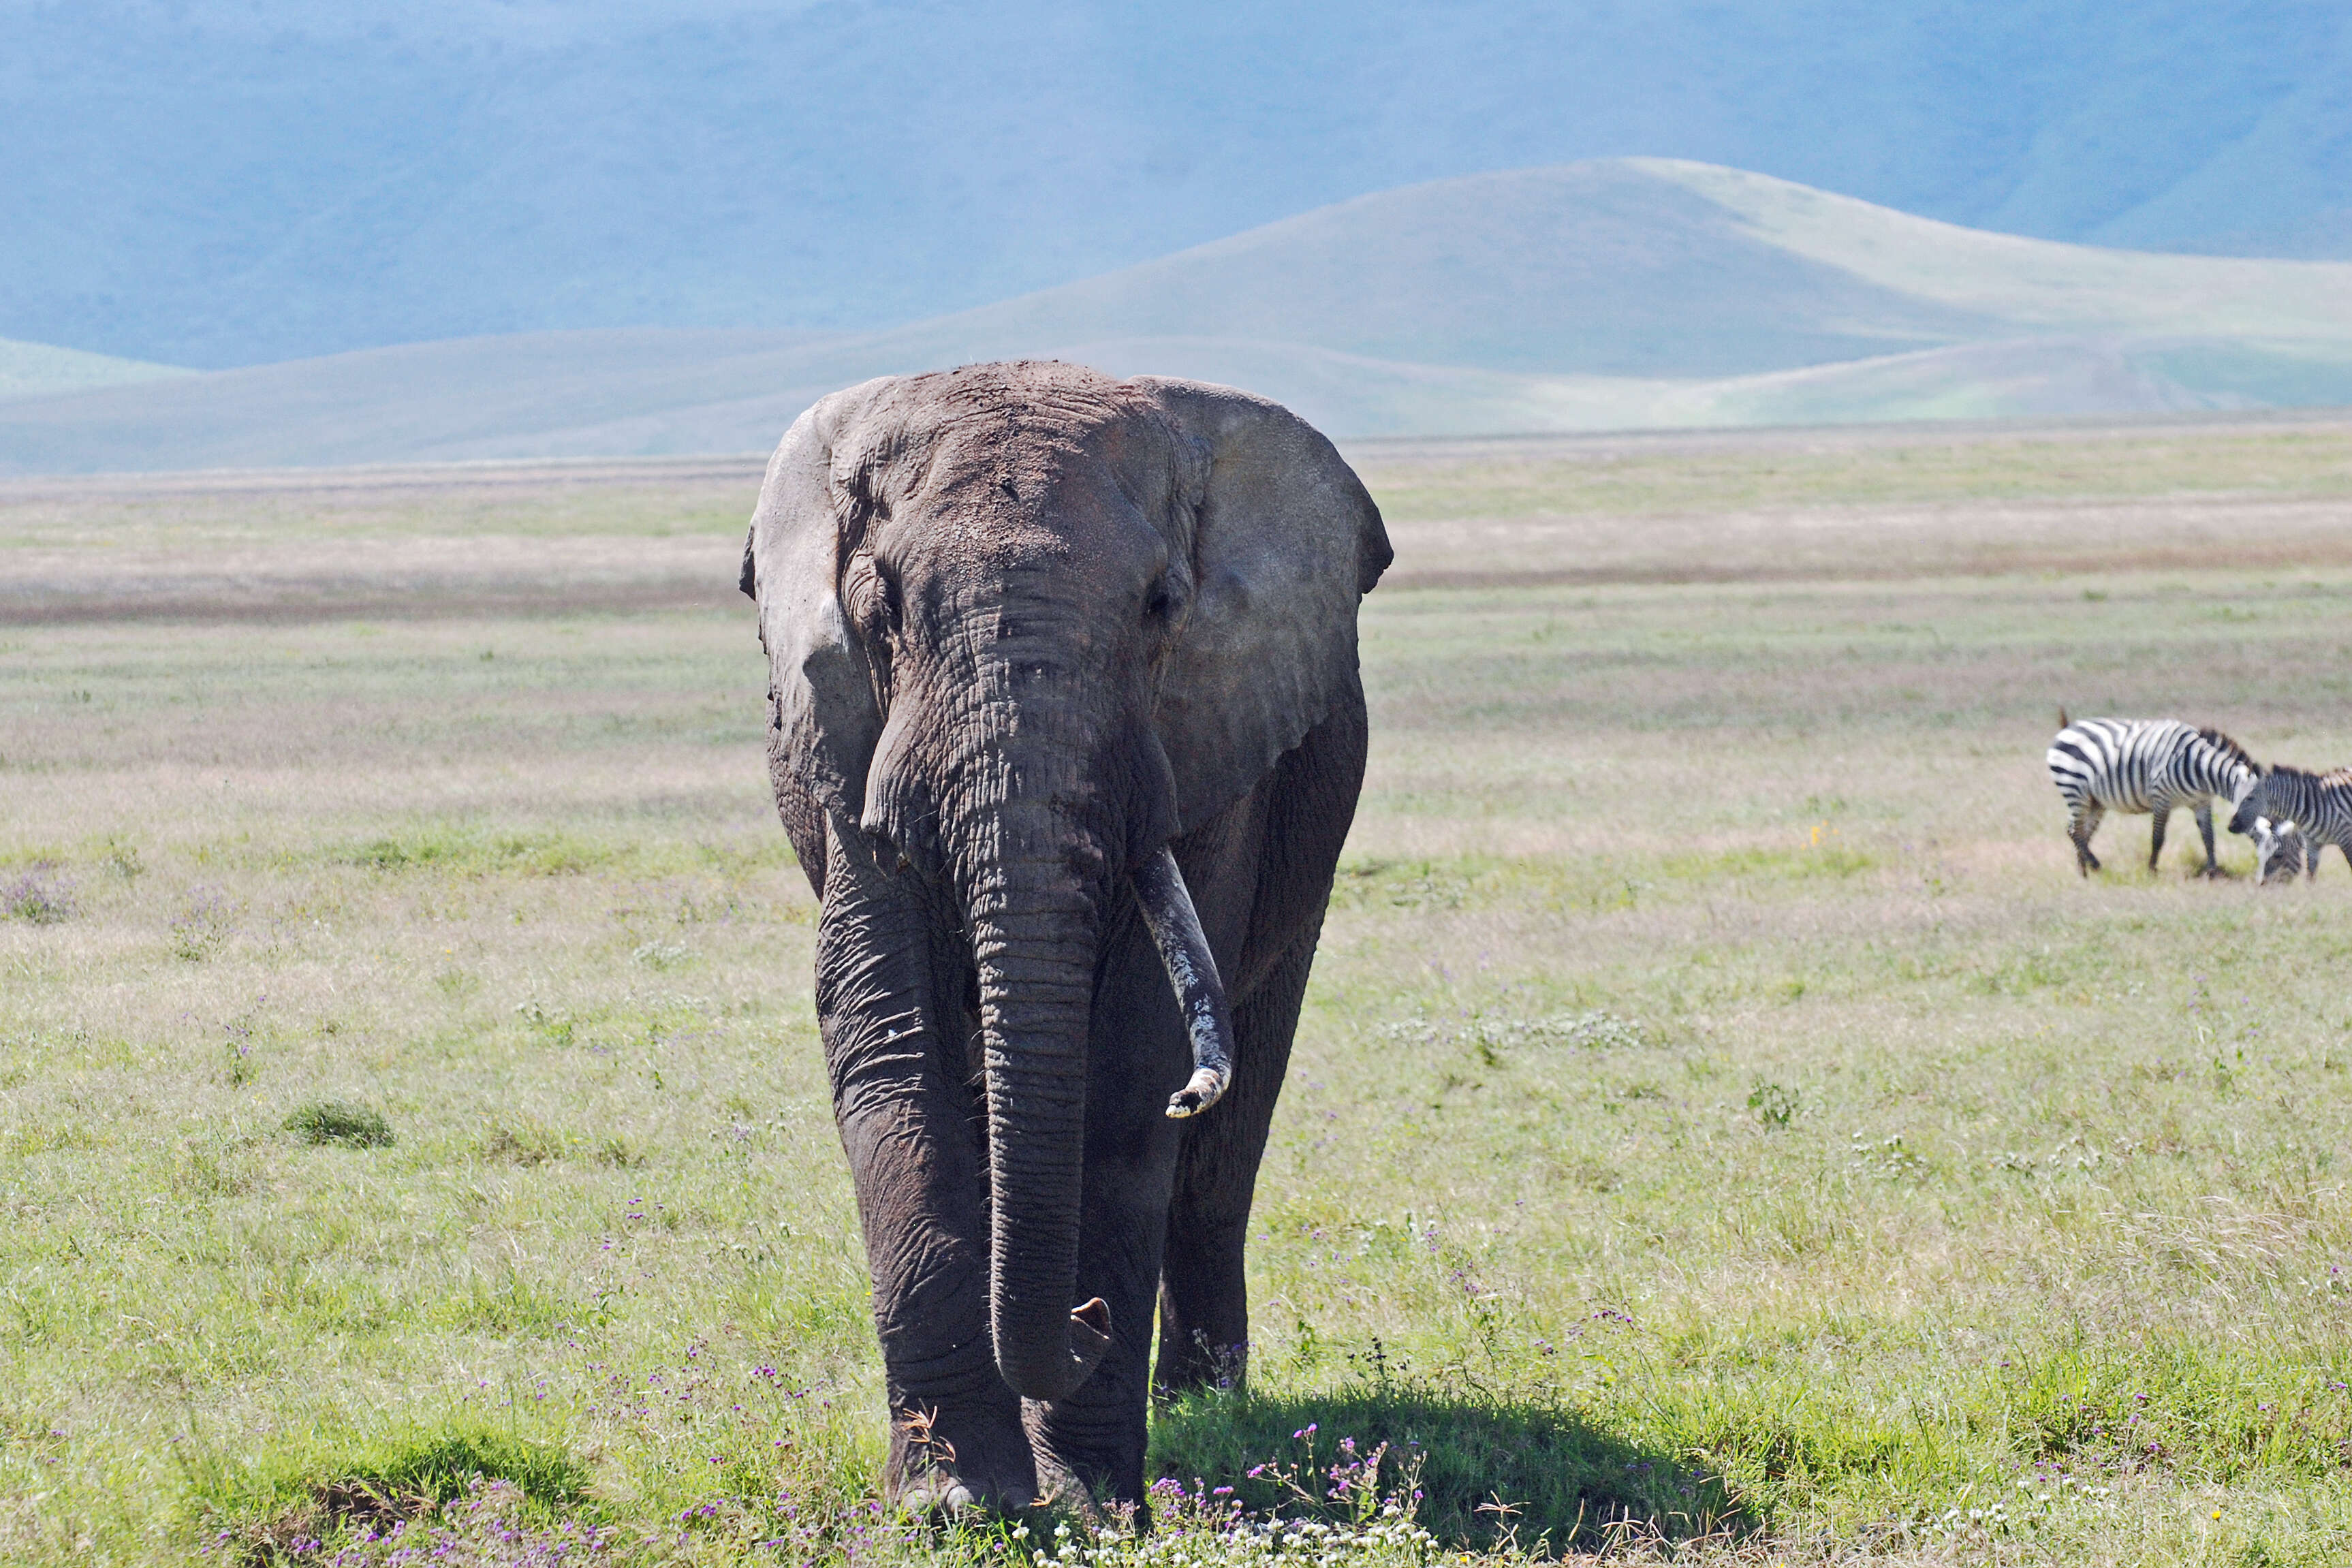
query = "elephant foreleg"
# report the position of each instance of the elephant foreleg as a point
(906, 1125)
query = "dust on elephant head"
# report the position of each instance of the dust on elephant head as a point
(1067, 730)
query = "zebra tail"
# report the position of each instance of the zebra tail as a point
(2062, 720)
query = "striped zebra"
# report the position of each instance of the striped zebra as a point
(2280, 850)
(2145, 765)
(2316, 806)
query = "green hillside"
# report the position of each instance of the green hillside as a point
(41, 370)
(2027, 283)
(1623, 293)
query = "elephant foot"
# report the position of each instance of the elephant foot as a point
(942, 1497)
(945, 1465)
(1088, 1465)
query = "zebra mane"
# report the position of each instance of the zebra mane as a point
(2334, 779)
(2229, 748)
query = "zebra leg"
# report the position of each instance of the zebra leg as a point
(2156, 834)
(2085, 823)
(2204, 814)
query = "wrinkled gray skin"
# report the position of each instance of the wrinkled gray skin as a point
(1028, 627)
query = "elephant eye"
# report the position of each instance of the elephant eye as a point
(1160, 603)
(872, 594)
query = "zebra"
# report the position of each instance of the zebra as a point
(2280, 846)
(2145, 765)
(2317, 807)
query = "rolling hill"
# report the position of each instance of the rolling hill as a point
(234, 184)
(41, 370)
(1613, 293)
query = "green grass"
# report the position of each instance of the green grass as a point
(1720, 1113)
(338, 1122)
(267, 1507)
(1633, 478)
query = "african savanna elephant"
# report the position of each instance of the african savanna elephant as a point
(1067, 730)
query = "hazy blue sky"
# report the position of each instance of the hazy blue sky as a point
(220, 184)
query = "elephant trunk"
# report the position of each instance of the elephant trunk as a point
(1032, 874)
(1034, 943)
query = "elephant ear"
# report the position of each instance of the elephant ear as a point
(1285, 544)
(822, 715)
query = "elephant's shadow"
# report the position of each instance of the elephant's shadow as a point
(1492, 1470)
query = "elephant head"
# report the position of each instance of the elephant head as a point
(1026, 624)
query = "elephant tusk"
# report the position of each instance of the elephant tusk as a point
(1175, 928)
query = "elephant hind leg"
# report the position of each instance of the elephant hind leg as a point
(1204, 1298)
(1203, 1295)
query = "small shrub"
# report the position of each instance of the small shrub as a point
(1774, 1106)
(495, 1523)
(200, 929)
(210, 1168)
(456, 1495)
(523, 1142)
(554, 1027)
(619, 1151)
(38, 894)
(242, 1067)
(340, 1121)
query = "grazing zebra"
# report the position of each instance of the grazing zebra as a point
(2280, 846)
(2318, 806)
(2145, 765)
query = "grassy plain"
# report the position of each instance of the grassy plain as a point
(1719, 1106)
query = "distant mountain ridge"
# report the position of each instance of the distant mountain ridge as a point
(1613, 293)
(241, 184)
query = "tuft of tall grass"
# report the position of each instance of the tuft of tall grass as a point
(340, 1121)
